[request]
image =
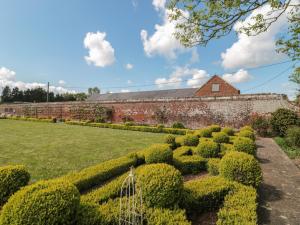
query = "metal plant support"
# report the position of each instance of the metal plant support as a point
(131, 203)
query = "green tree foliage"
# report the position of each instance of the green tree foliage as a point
(93, 90)
(37, 95)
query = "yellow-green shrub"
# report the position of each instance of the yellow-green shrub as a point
(89, 214)
(214, 128)
(12, 178)
(208, 149)
(162, 185)
(159, 153)
(170, 139)
(228, 130)
(243, 144)
(186, 162)
(204, 132)
(213, 165)
(190, 140)
(224, 148)
(241, 167)
(179, 141)
(249, 128)
(247, 133)
(220, 137)
(239, 207)
(100, 173)
(156, 216)
(45, 202)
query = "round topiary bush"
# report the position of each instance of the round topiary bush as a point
(243, 144)
(249, 128)
(247, 133)
(214, 128)
(12, 178)
(159, 153)
(282, 119)
(293, 136)
(213, 166)
(208, 149)
(228, 130)
(45, 202)
(162, 185)
(241, 167)
(170, 139)
(220, 137)
(190, 140)
(178, 125)
(204, 132)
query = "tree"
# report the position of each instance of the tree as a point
(94, 90)
(6, 94)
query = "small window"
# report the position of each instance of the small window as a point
(215, 87)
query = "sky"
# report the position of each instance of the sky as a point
(128, 45)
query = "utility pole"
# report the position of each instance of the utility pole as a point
(48, 92)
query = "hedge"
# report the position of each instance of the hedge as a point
(186, 162)
(228, 130)
(247, 133)
(213, 165)
(205, 194)
(220, 137)
(204, 132)
(239, 207)
(243, 144)
(224, 148)
(53, 120)
(156, 216)
(133, 128)
(12, 178)
(190, 140)
(89, 214)
(159, 153)
(162, 185)
(170, 139)
(208, 149)
(214, 128)
(241, 167)
(45, 202)
(96, 175)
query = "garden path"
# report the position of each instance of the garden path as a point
(280, 191)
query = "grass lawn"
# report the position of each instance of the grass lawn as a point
(292, 152)
(50, 150)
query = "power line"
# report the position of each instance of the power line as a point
(269, 80)
(174, 82)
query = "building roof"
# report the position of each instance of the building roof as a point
(145, 95)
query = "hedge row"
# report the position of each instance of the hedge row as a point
(133, 128)
(32, 119)
(186, 162)
(98, 174)
(12, 178)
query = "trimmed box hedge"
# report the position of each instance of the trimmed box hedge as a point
(213, 165)
(12, 178)
(159, 153)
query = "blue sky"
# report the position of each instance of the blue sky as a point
(89, 43)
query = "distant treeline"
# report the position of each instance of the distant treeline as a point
(38, 95)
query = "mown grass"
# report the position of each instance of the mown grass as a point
(291, 151)
(50, 150)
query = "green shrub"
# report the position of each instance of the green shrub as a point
(232, 139)
(204, 139)
(249, 128)
(213, 166)
(282, 119)
(186, 162)
(170, 139)
(220, 137)
(190, 140)
(239, 207)
(130, 123)
(243, 144)
(207, 192)
(228, 130)
(89, 214)
(45, 202)
(293, 136)
(208, 149)
(179, 141)
(241, 167)
(204, 132)
(159, 153)
(178, 125)
(162, 185)
(214, 128)
(12, 178)
(96, 175)
(156, 216)
(224, 148)
(261, 125)
(247, 133)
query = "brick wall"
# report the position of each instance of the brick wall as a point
(193, 112)
(225, 89)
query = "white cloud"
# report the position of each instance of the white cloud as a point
(238, 77)
(61, 82)
(253, 51)
(195, 56)
(125, 90)
(101, 53)
(129, 82)
(134, 3)
(171, 82)
(198, 79)
(8, 78)
(128, 66)
(159, 4)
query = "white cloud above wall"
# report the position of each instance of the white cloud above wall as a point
(129, 66)
(8, 78)
(240, 76)
(101, 52)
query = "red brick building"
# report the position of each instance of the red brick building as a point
(216, 86)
